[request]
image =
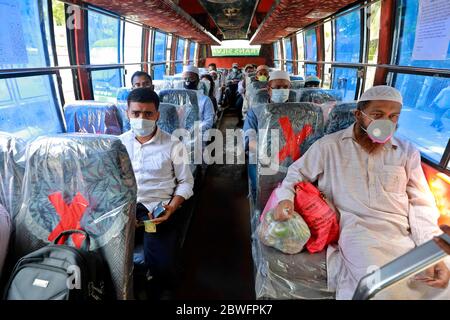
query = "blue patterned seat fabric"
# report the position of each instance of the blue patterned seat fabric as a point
(87, 116)
(297, 84)
(168, 117)
(318, 95)
(295, 77)
(98, 168)
(122, 94)
(123, 118)
(341, 117)
(186, 103)
(12, 168)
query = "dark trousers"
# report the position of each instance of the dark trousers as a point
(160, 250)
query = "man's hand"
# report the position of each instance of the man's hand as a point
(166, 215)
(436, 276)
(284, 210)
(441, 243)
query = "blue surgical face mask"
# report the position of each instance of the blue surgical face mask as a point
(280, 95)
(142, 127)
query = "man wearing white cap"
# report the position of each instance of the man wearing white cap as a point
(191, 77)
(278, 89)
(377, 184)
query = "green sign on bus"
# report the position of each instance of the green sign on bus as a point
(221, 52)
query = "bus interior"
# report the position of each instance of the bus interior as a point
(66, 70)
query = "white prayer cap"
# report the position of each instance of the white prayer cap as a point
(191, 69)
(382, 93)
(279, 75)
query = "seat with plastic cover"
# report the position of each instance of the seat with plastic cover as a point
(318, 95)
(297, 84)
(75, 181)
(12, 168)
(285, 276)
(168, 117)
(278, 275)
(298, 125)
(186, 103)
(341, 117)
(123, 117)
(122, 94)
(86, 116)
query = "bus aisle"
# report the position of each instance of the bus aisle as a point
(217, 258)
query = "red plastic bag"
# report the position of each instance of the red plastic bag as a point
(321, 219)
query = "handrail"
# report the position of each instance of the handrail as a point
(385, 66)
(404, 266)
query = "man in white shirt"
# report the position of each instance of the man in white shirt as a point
(377, 184)
(191, 76)
(162, 172)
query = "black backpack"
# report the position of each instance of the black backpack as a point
(60, 272)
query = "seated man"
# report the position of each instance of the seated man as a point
(141, 79)
(377, 184)
(312, 82)
(232, 80)
(262, 75)
(191, 77)
(241, 90)
(278, 89)
(162, 174)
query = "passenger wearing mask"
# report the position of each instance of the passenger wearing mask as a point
(241, 100)
(376, 182)
(141, 79)
(217, 86)
(262, 75)
(162, 175)
(312, 82)
(232, 80)
(191, 78)
(210, 88)
(278, 89)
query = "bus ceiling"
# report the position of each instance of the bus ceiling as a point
(211, 21)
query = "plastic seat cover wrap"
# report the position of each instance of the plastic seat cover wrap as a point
(122, 94)
(279, 275)
(186, 103)
(83, 181)
(92, 117)
(341, 117)
(12, 169)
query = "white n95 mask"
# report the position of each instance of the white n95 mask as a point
(280, 95)
(142, 127)
(379, 131)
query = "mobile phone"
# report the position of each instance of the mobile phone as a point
(158, 211)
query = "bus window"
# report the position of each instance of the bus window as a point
(132, 50)
(180, 56)
(104, 48)
(406, 56)
(192, 52)
(311, 52)
(347, 49)
(288, 55)
(160, 47)
(374, 14)
(328, 42)
(29, 105)
(301, 54)
(419, 121)
(59, 27)
(276, 55)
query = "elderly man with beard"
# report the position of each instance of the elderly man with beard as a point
(386, 207)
